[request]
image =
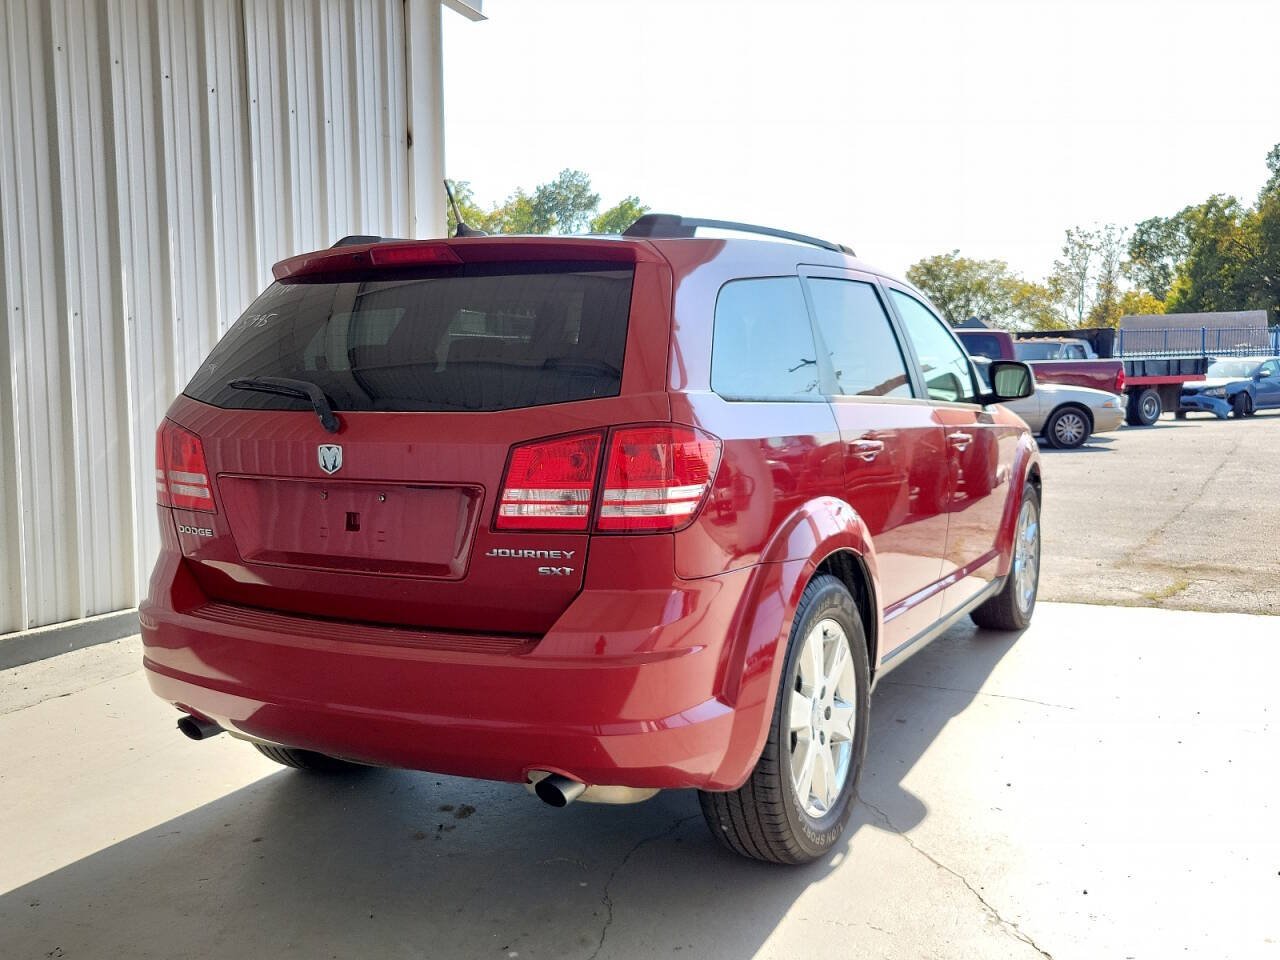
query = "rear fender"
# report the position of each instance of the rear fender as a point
(754, 659)
(1026, 463)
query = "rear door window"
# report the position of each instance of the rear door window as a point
(482, 337)
(865, 356)
(762, 347)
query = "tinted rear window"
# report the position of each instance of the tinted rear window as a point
(1036, 351)
(763, 347)
(982, 345)
(480, 338)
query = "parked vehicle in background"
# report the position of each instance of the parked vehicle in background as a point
(1153, 381)
(598, 515)
(1238, 386)
(1107, 375)
(1063, 416)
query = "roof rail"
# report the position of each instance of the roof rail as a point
(667, 226)
(356, 239)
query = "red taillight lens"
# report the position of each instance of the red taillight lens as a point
(1120, 380)
(549, 484)
(656, 478)
(407, 254)
(412, 255)
(182, 477)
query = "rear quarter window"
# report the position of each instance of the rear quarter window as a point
(763, 346)
(481, 338)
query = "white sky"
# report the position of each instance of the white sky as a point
(901, 127)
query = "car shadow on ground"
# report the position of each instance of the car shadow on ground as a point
(392, 863)
(1092, 445)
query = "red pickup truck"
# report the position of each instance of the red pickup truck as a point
(1152, 381)
(1065, 361)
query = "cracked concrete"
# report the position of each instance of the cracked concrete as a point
(607, 898)
(1012, 927)
(976, 693)
(1080, 791)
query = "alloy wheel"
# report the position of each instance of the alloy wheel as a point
(822, 717)
(1026, 556)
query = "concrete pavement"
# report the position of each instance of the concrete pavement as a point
(1094, 788)
(1182, 515)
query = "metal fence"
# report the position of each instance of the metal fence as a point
(1198, 342)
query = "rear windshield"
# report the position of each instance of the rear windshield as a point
(983, 345)
(1036, 351)
(483, 337)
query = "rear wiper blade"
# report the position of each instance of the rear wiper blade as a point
(289, 387)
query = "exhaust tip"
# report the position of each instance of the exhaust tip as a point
(197, 729)
(558, 791)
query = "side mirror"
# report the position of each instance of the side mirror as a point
(1010, 380)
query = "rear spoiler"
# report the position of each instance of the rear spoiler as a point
(361, 253)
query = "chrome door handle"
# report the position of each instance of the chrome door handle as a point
(960, 440)
(867, 450)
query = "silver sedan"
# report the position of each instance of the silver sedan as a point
(1064, 416)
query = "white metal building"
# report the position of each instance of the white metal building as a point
(156, 157)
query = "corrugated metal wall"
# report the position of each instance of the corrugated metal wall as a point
(155, 159)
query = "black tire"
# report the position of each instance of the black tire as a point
(307, 759)
(1008, 610)
(1068, 428)
(764, 818)
(1241, 406)
(1180, 415)
(1144, 408)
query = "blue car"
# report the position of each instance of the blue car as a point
(1239, 386)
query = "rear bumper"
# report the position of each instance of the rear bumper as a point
(623, 690)
(1215, 405)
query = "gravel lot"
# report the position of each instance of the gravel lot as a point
(1183, 515)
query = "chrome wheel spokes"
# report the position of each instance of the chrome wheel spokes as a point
(1026, 556)
(1070, 429)
(822, 717)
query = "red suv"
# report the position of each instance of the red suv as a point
(598, 515)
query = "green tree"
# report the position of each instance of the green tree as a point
(1136, 303)
(962, 287)
(1034, 306)
(1156, 251)
(1108, 249)
(1219, 244)
(620, 216)
(564, 205)
(467, 206)
(1071, 274)
(1273, 167)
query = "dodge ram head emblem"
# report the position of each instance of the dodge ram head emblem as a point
(330, 457)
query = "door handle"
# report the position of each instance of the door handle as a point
(867, 450)
(960, 440)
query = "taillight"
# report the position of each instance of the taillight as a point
(1120, 380)
(656, 478)
(549, 484)
(182, 477)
